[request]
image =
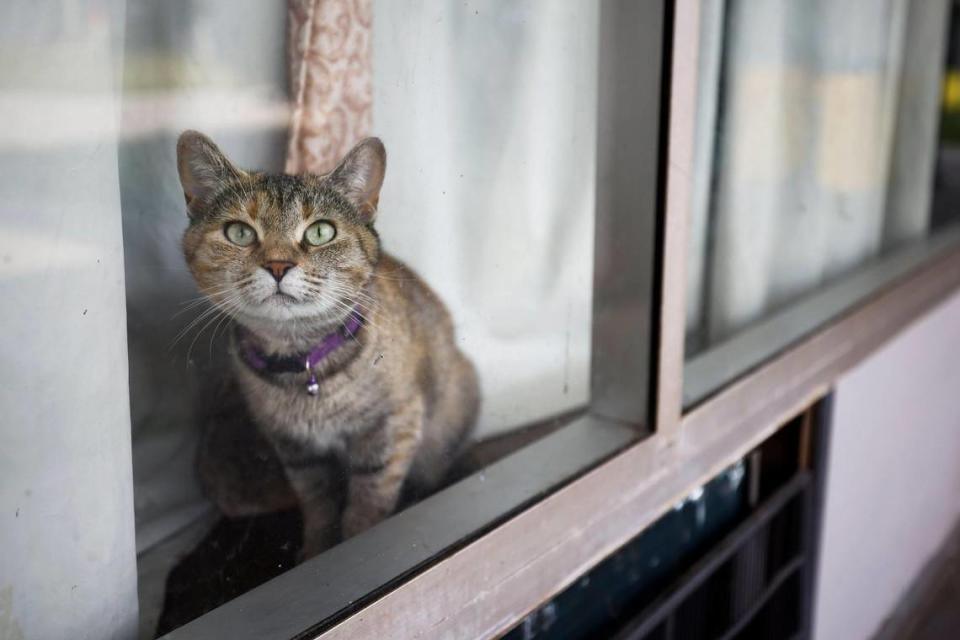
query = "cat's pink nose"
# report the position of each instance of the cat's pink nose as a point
(278, 268)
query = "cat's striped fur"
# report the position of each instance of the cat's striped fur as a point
(395, 405)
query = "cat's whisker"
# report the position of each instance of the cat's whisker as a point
(211, 295)
(185, 330)
(325, 297)
(216, 308)
(204, 296)
(367, 308)
(346, 292)
(222, 313)
(199, 302)
(224, 320)
(200, 332)
(368, 321)
(393, 278)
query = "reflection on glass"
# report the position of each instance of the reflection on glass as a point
(814, 149)
(290, 386)
(488, 116)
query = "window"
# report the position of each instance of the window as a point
(652, 226)
(814, 160)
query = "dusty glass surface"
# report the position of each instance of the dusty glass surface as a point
(292, 386)
(815, 158)
(275, 340)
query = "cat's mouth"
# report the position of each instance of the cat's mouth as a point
(281, 298)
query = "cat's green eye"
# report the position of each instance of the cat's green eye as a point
(240, 234)
(319, 233)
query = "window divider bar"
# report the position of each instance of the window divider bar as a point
(678, 166)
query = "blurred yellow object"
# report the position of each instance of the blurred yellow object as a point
(951, 90)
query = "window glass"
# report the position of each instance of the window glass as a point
(361, 365)
(815, 151)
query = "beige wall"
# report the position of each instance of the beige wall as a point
(893, 491)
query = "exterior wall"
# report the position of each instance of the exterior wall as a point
(893, 486)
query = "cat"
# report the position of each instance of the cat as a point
(345, 360)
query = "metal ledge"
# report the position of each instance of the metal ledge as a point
(710, 371)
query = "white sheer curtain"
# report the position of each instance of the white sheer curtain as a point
(67, 565)
(488, 111)
(814, 149)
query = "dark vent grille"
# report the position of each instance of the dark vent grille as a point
(746, 572)
(748, 586)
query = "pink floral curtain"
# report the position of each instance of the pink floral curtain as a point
(330, 80)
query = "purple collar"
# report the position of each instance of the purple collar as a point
(262, 363)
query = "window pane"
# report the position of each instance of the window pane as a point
(239, 335)
(521, 153)
(816, 146)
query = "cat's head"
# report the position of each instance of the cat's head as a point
(278, 248)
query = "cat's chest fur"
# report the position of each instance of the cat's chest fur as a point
(349, 402)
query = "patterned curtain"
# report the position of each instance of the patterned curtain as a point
(330, 81)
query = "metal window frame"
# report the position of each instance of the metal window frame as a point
(488, 583)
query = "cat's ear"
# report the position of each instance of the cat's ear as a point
(203, 169)
(360, 175)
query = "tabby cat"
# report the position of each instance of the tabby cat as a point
(343, 357)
